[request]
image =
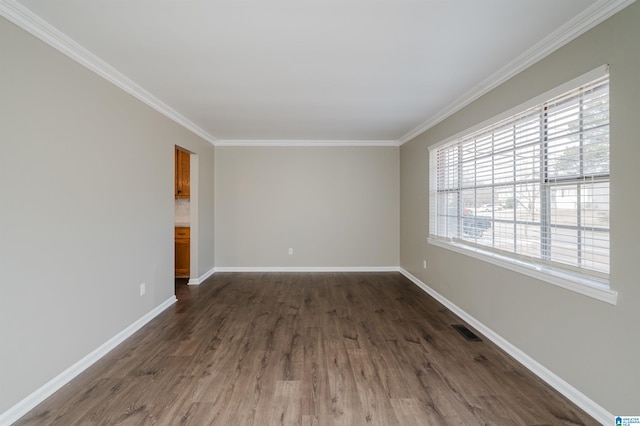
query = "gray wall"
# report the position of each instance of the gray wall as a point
(335, 206)
(592, 345)
(86, 211)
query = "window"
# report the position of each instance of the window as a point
(531, 189)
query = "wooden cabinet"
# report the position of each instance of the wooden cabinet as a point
(182, 241)
(183, 161)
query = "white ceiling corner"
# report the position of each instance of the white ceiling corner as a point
(27, 20)
(581, 23)
(322, 73)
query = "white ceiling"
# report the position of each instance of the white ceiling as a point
(312, 70)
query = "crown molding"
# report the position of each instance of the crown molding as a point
(32, 23)
(307, 143)
(581, 23)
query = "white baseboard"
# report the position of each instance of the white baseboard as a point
(200, 279)
(27, 404)
(307, 269)
(573, 394)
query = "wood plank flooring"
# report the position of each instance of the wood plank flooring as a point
(305, 349)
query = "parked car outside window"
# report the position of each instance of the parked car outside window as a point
(490, 207)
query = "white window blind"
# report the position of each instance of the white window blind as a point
(533, 187)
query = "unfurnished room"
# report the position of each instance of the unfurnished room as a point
(319, 212)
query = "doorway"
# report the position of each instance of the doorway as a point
(185, 217)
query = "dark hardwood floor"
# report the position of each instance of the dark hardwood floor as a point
(307, 349)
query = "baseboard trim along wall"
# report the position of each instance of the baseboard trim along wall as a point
(201, 278)
(573, 394)
(31, 401)
(307, 269)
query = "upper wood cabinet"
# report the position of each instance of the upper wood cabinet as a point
(183, 159)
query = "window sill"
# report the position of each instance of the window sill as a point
(565, 280)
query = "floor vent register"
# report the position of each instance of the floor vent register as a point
(468, 334)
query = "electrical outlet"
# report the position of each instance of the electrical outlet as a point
(424, 264)
(143, 289)
(290, 251)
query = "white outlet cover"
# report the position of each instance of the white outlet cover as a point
(143, 289)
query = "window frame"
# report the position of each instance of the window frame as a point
(592, 285)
